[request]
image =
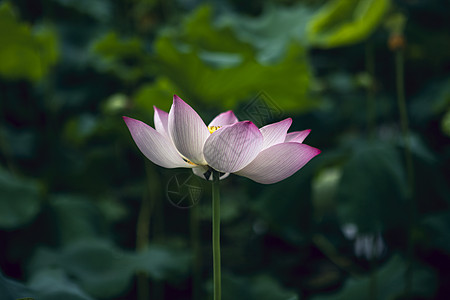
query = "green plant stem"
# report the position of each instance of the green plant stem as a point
(216, 235)
(196, 248)
(399, 66)
(370, 69)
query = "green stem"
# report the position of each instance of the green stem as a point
(370, 69)
(216, 234)
(399, 66)
(196, 248)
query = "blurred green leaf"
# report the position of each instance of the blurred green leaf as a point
(256, 288)
(201, 68)
(324, 188)
(54, 284)
(437, 227)
(372, 188)
(273, 31)
(19, 200)
(12, 290)
(346, 22)
(433, 100)
(25, 53)
(124, 57)
(104, 271)
(100, 10)
(445, 123)
(390, 283)
(77, 218)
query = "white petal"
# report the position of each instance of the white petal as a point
(155, 146)
(225, 118)
(275, 133)
(278, 162)
(187, 130)
(297, 136)
(161, 120)
(232, 147)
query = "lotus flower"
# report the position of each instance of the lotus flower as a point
(182, 140)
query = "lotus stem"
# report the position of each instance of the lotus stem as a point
(216, 235)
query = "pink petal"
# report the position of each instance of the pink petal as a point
(297, 136)
(232, 147)
(225, 118)
(275, 133)
(161, 119)
(187, 130)
(278, 162)
(155, 146)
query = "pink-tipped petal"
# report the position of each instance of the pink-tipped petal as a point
(275, 133)
(297, 136)
(225, 118)
(155, 146)
(187, 130)
(232, 147)
(161, 119)
(278, 162)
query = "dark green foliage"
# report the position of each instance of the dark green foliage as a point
(83, 215)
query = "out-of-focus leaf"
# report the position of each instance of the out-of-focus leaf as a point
(261, 287)
(372, 188)
(390, 283)
(19, 200)
(433, 100)
(77, 218)
(346, 22)
(445, 123)
(324, 189)
(228, 86)
(77, 130)
(195, 64)
(437, 227)
(162, 262)
(285, 206)
(100, 10)
(103, 270)
(54, 284)
(123, 57)
(199, 31)
(158, 93)
(273, 31)
(13, 290)
(24, 53)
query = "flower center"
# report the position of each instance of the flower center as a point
(213, 128)
(189, 162)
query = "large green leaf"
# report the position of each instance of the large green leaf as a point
(223, 73)
(19, 200)
(25, 52)
(54, 284)
(273, 31)
(346, 22)
(371, 191)
(105, 271)
(260, 287)
(390, 283)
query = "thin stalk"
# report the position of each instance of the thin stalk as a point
(399, 66)
(216, 234)
(197, 261)
(370, 69)
(142, 241)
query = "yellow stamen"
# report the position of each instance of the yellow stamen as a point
(189, 162)
(213, 128)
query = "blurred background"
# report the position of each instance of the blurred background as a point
(83, 214)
